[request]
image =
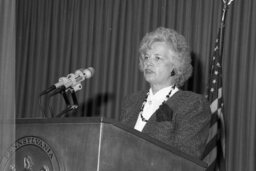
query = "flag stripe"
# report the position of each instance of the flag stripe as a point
(212, 156)
(211, 145)
(212, 166)
(214, 119)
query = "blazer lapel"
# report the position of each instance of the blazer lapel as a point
(134, 109)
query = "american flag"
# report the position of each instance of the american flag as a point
(215, 150)
(214, 154)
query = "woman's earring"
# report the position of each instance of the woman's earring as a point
(172, 73)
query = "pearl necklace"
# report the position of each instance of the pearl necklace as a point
(144, 102)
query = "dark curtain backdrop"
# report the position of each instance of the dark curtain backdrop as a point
(56, 37)
(7, 75)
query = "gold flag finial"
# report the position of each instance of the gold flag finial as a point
(225, 7)
(228, 2)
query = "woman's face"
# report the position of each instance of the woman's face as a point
(158, 64)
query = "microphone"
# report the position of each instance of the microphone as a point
(72, 80)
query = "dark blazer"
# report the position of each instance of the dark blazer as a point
(182, 122)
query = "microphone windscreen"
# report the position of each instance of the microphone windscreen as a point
(89, 72)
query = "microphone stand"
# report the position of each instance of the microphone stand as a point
(70, 107)
(66, 93)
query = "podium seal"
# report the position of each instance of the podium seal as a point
(29, 153)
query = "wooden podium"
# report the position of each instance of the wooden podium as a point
(93, 144)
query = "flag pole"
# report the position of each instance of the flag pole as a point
(226, 4)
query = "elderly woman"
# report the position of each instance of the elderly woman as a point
(165, 112)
